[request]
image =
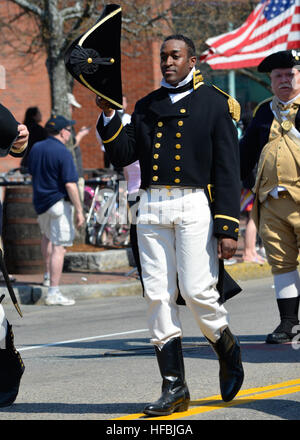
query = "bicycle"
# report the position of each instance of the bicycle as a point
(105, 225)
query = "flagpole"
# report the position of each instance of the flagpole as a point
(231, 83)
(231, 74)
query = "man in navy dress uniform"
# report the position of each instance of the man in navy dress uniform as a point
(186, 142)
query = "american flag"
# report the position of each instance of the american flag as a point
(274, 25)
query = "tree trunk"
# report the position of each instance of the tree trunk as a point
(59, 86)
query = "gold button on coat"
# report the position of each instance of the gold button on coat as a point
(177, 180)
(178, 146)
(225, 228)
(155, 167)
(160, 124)
(180, 123)
(178, 135)
(177, 157)
(159, 134)
(155, 178)
(177, 168)
(157, 145)
(182, 110)
(156, 156)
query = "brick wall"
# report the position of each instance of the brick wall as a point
(28, 85)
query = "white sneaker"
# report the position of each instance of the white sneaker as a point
(230, 262)
(57, 299)
(46, 281)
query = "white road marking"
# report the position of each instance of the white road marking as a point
(34, 347)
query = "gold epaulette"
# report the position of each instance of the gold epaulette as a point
(258, 105)
(233, 105)
(197, 79)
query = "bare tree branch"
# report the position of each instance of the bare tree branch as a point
(29, 6)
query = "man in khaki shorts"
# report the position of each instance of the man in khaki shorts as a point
(272, 140)
(55, 196)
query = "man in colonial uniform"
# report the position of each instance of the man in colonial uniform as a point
(14, 139)
(186, 142)
(273, 141)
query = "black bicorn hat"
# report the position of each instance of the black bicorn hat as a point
(284, 59)
(94, 58)
(8, 130)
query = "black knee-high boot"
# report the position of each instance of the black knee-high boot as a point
(288, 310)
(11, 370)
(231, 372)
(175, 394)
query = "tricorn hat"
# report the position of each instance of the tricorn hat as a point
(94, 58)
(8, 129)
(284, 59)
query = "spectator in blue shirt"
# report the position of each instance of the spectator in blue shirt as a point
(55, 196)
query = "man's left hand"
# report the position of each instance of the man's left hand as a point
(226, 247)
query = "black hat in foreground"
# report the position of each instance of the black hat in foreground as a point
(8, 130)
(58, 122)
(94, 59)
(285, 59)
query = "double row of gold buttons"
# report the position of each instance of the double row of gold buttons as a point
(177, 146)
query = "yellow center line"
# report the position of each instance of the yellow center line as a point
(212, 403)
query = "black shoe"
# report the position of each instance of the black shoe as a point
(175, 394)
(173, 399)
(231, 373)
(283, 333)
(11, 370)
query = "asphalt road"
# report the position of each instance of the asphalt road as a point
(93, 361)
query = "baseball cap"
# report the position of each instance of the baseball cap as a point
(72, 100)
(58, 122)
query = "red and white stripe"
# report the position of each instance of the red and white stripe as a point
(257, 38)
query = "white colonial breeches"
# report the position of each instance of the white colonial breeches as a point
(177, 250)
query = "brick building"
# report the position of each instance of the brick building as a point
(27, 85)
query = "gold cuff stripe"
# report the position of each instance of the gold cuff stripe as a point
(114, 136)
(20, 149)
(228, 218)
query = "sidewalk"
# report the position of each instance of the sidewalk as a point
(103, 273)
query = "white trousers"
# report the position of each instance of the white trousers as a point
(3, 328)
(177, 249)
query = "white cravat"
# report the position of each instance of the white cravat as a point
(274, 191)
(175, 97)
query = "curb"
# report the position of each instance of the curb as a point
(28, 294)
(102, 261)
(247, 271)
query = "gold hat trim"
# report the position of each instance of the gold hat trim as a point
(81, 41)
(98, 24)
(98, 93)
